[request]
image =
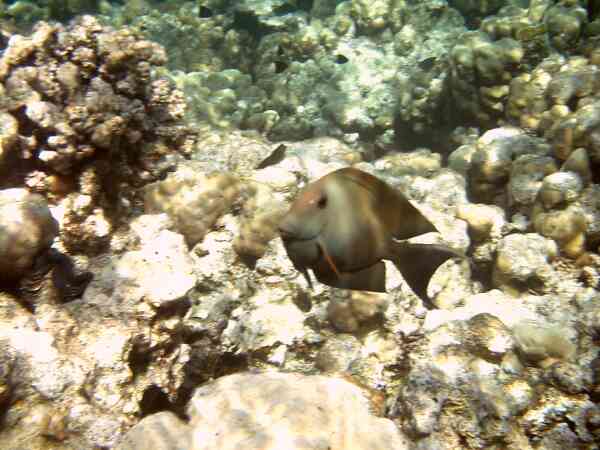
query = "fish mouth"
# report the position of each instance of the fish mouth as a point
(290, 236)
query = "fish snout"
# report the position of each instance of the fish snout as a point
(287, 230)
(285, 234)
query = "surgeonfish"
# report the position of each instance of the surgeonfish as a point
(343, 225)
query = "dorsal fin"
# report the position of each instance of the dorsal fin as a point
(396, 212)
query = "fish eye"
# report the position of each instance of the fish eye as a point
(322, 201)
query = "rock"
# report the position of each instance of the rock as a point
(271, 411)
(522, 261)
(26, 229)
(160, 431)
(38, 362)
(488, 337)
(542, 342)
(161, 272)
(485, 221)
(526, 179)
(560, 188)
(566, 226)
(348, 310)
(338, 353)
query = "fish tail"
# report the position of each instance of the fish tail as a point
(418, 262)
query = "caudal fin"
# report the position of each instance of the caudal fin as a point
(418, 262)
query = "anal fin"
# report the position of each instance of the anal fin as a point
(418, 262)
(371, 278)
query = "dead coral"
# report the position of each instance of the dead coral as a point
(81, 111)
(81, 93)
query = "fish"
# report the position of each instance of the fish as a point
(275, 157)
(345, 224)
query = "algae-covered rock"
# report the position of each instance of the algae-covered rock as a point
(539, 343)
(348, 310)
(560, 188)
(566, 226)
(526, 179)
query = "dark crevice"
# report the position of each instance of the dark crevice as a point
(284, 9)
(4, 38)
(15, 166)
(593, 9)
(595, 367)
(13, 288)
(247, 21)
(572, 103)
(205, 12)
(407, 139)
(280, 66)
(572, 425)
(155, 400)
(305, 5)
(427, 63)
(202, 370)
(596, 173)
(7, 401)
(139, 358)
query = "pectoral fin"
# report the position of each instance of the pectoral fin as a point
(418, 262)
(370, 279)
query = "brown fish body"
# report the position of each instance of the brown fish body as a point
(344, 224)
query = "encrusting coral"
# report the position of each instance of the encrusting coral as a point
(559, 100)
(193, 200)
(256, 232)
